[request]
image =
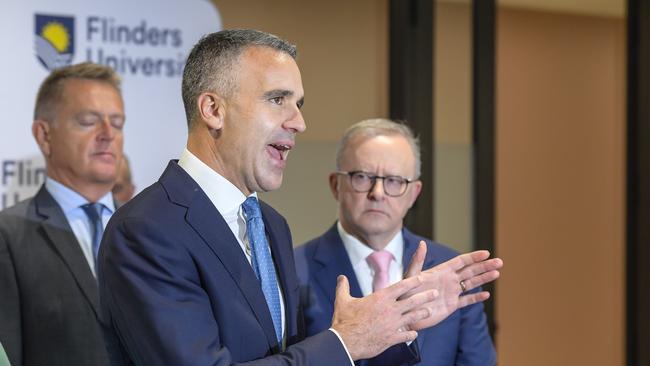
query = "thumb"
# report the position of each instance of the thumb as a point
(417, 261)
(342, 288)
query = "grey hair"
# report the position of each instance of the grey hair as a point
(380, 127)
(211, 63)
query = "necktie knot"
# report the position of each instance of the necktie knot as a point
(251, 208)
(93, 210)
(380, 263)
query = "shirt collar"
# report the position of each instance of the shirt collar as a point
(222, 193)
(70, 200)
(358, 251)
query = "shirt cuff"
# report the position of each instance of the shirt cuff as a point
(344, 346)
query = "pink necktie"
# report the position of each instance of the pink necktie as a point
(380, 262)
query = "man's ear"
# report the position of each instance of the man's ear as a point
(212, 110)
(41, 132)
(416, 188)
(334, 185)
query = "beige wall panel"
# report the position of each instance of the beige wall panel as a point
(560, 189)
(342, 54)
(453, 125)
(453, 73)
(615, 8)
(304, 198)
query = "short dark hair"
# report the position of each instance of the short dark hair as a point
(210, 64)
(49, 93)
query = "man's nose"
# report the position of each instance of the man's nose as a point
(376, 192)
(296, 123)
(107, 131)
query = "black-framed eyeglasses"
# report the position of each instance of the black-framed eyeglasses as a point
(361, 182)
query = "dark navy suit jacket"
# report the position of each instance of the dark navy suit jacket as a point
(461, 339)
(176, 288)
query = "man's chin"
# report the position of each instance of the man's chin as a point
(375, 224)
(108, 177)
(375, 217)
(269, 185)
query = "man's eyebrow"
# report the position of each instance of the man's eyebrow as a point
(277, 93)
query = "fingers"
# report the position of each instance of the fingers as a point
(416, 301)
(417, 261)
(402, 287)
(402, 337)
(481, 273)
(470, 299)
(481, 279)
(415, 267)
(481, 267)
(421, 317)
(457, 263)
(415, 316)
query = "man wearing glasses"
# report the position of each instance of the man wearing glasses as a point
(376, 182)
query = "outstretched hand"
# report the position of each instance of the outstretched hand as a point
(453, 279)
(371, 324)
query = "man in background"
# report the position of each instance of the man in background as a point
(124, 188)
(195, 270)
(376, 182)
(49, 303)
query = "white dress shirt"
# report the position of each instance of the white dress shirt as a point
(228, 200)
(358, 252)
(70, 203)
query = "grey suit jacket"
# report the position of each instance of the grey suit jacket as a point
(49, 302)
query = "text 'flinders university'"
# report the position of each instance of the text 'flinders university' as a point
(134, 49)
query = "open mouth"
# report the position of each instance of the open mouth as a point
(280, 151)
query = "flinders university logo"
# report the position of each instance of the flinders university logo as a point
(54, 40)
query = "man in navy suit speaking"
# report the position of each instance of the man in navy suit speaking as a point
(376, 182)
(196, 271)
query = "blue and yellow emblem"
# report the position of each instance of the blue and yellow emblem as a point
(54, 40)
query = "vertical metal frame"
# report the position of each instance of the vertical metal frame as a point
(638, 183)
(483, 119)
(411, 93)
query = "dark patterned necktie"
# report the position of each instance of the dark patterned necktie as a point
(94, 213)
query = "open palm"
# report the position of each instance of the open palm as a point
(472, 269)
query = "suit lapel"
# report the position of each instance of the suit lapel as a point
(60, 235)
(334, 261)
(206, 220)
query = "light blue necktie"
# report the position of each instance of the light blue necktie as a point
(94, 213)
(262, 261)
